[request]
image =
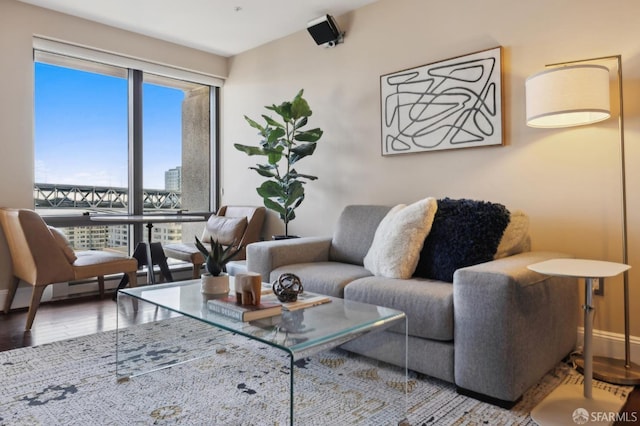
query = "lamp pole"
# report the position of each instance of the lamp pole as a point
(623, 372)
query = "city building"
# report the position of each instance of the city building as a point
(173, 179)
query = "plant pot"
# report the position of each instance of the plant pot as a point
(214, 285)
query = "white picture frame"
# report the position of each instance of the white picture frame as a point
(450, 104)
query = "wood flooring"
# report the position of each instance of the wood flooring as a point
(80, 317)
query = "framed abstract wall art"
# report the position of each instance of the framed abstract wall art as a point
(455, 103)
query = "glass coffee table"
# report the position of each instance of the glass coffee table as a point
(296, 334)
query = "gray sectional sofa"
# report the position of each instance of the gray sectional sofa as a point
(493, 332)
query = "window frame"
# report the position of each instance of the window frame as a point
(85, 59)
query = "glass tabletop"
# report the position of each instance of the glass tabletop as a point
(300, 332)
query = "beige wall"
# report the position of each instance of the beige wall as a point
(19, 22)
(566, 180)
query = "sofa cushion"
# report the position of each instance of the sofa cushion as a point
(354, 232)
(328, 278)
(464, 233)
(225, 230)
(398, 240)
(428, 304)
(516, 236)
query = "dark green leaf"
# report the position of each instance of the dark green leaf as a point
(215, 249)
(301, 151)
(303, 176)
(201, 247)
(275, 149)
(254, 124)
(270, 189)
(263, 171)
(274, 134)
(301, 123)
(271, 121)
(300, 108)
(230, 252)
(283, 110)
(291, 215)
(295, 206)
(249, 150)
(274, 156)
(272, 205)
(294, 175)
(295, 191)
(309, 135)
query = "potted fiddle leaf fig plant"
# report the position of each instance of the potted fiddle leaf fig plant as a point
(215, 280)
(284, 143)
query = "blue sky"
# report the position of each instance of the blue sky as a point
(81, 129)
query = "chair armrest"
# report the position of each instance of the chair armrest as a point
(512, 325)
(265, 256)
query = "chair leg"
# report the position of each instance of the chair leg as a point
(36, 295)
(196, 270)
(133, 278)
(13, 286)
(159, 258)
(101, 286)
(130, 278)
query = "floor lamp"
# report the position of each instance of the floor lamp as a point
(573, 94)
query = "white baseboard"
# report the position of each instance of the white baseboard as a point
(62, 291)
(611, 345)
(23, 297)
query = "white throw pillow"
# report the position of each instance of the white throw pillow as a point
(396, 245)
(515, 237)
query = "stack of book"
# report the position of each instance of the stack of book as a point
(229, 307)
(306, 300)
(269, 306)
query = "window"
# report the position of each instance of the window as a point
(87, 158)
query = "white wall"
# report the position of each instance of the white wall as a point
(566, 180)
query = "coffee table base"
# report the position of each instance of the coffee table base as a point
(147, 316)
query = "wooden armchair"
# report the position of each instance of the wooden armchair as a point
(42, 255)
(238, 225)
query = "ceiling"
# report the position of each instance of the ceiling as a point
(223, 27)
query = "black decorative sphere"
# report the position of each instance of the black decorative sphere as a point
(287, 287)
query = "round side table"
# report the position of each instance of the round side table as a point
(568, 403)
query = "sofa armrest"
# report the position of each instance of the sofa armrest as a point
(512, 325)
(265, 256)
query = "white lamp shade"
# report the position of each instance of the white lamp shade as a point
(568, 96)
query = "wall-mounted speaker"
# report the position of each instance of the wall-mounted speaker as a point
(325, 31)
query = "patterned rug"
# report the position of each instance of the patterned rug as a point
(236, 382)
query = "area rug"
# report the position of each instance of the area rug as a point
(232, 382)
